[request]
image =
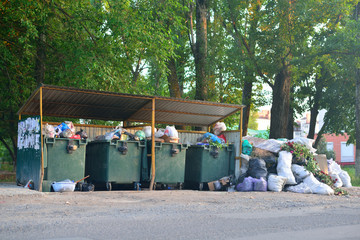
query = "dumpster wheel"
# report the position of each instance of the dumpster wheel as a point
(201, 186)
(108, 186)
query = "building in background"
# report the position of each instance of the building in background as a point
(345, 154)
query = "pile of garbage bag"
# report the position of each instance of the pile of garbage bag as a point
(64, 130)
(168, 134)
(278, 171)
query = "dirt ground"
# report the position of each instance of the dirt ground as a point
(177, 214)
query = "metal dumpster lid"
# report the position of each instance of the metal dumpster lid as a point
(71, 102)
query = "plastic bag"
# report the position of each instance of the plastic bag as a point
(336, 179)
(67, 133)
(345, 178)
(244, 163)
(276, 183)
(218, 128)
(71, 126)
(82, 134)
(114, 134)
(246, 186)
(257, 168)
(246, 147)
(300, 188)
(299, 171)
(260, 185)
(284, 167)
(333, 167)
(317, 187)
(49, 131)
(159, 133)
(147, 131)
(305, 141)
(140, 135)
(209, 137)
(171, 132)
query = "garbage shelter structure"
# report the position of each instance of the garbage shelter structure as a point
(40, 162)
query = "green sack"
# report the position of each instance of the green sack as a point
(246, 148)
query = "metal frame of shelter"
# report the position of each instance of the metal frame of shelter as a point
(49, 100)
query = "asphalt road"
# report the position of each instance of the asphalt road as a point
(172, 214)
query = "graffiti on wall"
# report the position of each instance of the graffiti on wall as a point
(29, 133)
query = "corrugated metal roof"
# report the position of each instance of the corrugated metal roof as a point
(90, 104)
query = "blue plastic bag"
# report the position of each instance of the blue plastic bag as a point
(246, 148)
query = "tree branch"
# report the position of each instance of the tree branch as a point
(92, 37)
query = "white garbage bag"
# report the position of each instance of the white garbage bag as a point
(244, 163)
(333, 167)
(318, 187)
(336, 179)
(345, 178)
(284, 167)
(299, 171)
(276, 183)
(300, 188)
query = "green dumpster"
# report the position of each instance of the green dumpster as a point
(62, 161)
(114, 162)
(169, 164)
(207, 163)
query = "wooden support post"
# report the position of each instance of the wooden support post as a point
(241, 133)
(19, 116)
(42, 142)
(152, 146)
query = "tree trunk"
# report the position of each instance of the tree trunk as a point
(201, 50)
(357, 136)
(357, 127)
(319, 84)
(246, 100)
(290, 126)
(40, 57)
(280, 104)
(173, 80)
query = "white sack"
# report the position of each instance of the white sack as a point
(345, 178)
(300, 188)
(336, 179)
(276, 183)
(270, 145)
(299, 171)
(159, 133)
(318, 187)
(333, 167)
(284, 167)
(305, 141)
(244, 163)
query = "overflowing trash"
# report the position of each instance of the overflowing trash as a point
(64, 130)
(217, 138)
(291, 166)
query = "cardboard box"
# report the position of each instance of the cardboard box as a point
(322, 162)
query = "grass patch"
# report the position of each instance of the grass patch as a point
(355, 181)
(7, 173)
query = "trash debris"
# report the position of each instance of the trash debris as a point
(64, 186)
(29, 184)
(318, 187)
(299, 171)
(284, 167)
(276, 183)
(300, 188)
(246, 186)
(257, 168)
(260, 185)
(246, 147)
